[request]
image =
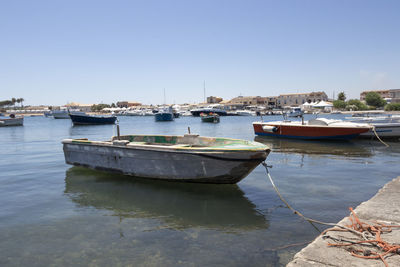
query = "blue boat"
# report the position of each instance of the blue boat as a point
(92, 120)
(165, 114)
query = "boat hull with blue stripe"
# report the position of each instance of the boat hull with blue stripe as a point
(317, 129)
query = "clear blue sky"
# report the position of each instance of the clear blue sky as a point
(92, 51)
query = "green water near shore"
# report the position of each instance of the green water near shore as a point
(55, 214)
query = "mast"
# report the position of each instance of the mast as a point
(164, 97)
(204, 89)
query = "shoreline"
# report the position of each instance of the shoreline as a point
(374, 112)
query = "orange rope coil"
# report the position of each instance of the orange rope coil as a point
(368, 231)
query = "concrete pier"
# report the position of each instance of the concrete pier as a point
(383, 207)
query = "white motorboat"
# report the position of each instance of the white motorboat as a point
(245, 113)
(134, 112)
(294, 112)
(384, 126)
(64, 113)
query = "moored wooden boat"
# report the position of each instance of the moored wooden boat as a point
(92, 120)
(11, 121)
(320, 128)
(188, 158)
(211, 117)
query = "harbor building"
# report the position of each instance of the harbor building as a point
(271, 102)
(127, 104)
(214, 99)
(249, 100)
(390, 95)
(242, 102)
(300, 98)
(79, 106)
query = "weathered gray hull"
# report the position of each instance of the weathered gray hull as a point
(204, 167)
(12, 122)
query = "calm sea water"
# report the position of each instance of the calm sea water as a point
(55, 214)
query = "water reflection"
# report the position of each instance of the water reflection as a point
(341, 148)
(100, 131)
(179, 205)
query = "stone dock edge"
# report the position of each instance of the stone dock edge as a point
(384, 207)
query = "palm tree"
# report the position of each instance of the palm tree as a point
(342, 96)
(18, 100)
(13, 100)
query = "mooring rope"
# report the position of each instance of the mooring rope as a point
(311, 221)
(364, 230)
(377, 136)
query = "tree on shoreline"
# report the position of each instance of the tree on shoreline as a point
(341, 96)
(7, 103)
(339, 104)
(99, 107)
(21, 101)
(374, 99)
(391, 107)
(355, 104)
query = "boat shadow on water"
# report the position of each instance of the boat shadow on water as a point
(178, 205)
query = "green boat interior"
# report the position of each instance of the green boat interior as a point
(185, 141)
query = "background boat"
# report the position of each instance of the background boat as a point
(11, 121)
(198, 111)
(92, 120)
(213, 117)
(165, 114)
(64, 113)
(385, 126)
(294, 112)
(245, 113)
(313, 129)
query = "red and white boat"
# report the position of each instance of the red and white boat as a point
(320, 128)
